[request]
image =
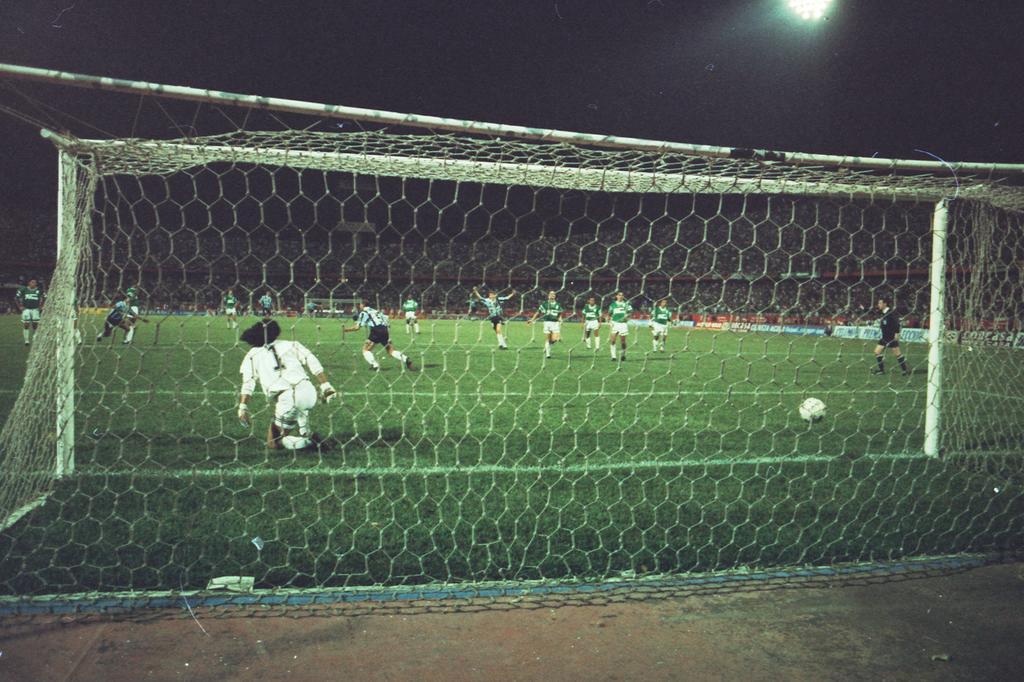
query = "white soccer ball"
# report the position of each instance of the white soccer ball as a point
(812, 410)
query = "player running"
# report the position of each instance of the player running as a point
(410, 307)
(661, 317)
(551, 311)
(132, 317)
(280, 369)
(377, 323)
(494, 314)
(592, 323)
(618, 314)
(29, 300)
(890, 326)
(231, 309)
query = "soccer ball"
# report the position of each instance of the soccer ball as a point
(812, 410)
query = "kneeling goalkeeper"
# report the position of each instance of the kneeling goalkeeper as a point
(280, 368)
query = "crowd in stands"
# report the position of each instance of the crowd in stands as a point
(805, 262)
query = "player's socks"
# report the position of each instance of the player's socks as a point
(78, 336)
(501, 341)
(612, 349)
(398, 355)
(416, 327)
(370, 359)
(26, 334)
(881, 365)
(295, 442)
(597, 343)
(130, 335)
(903, 365)
(547, 349)
(586, 340)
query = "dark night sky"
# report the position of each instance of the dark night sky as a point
(880, 76)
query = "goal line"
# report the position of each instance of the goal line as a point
(92, 472)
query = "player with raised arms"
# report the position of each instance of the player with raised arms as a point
(661, 317)
(377, 323)
(29, 300)
(592, 323)
(410, 307)
(551, 311)
(279, 366)
(494, 313)
(231, 309)
(618, 314)
(890, 326)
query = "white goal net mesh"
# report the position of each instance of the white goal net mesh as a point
(580, 459)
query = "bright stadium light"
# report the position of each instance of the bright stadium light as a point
(811, 10)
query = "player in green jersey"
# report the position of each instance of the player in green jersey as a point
(551, 311)
(29, 300)
(494, 314)
(409, 308)
(231, 309)
(661, 317)
(592, 323)
(618, 314)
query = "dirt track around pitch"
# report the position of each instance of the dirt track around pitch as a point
(955, 626)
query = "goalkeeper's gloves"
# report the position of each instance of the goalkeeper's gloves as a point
(327, 391)
(243, 414)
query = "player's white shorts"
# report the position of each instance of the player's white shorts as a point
(229, 311)
(294, 404)
(659, 329)
(410, 315)
(591, 325)
(30, 315)
(552, 327)
(620, 328)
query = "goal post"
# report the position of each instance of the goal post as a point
(936, 329)
(67, 215)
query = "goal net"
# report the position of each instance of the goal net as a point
(676, 452)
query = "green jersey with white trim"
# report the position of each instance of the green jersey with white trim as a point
(620, 310)
(661, 315)
(550, 311)
(230, 301)
(410, 306)
(30, 299)
(591, 313)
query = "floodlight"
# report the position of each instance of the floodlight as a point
(809, 10)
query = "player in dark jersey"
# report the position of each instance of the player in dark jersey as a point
(890, 326)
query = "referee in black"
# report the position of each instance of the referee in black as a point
(890, 325)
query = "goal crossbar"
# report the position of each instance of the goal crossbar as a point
(170, 156)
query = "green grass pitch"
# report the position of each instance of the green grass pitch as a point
(486, 464)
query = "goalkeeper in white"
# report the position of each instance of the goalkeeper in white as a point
(280, 368)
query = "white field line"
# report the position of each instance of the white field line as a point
(16, 515)
(89, 472)
(540, 394)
